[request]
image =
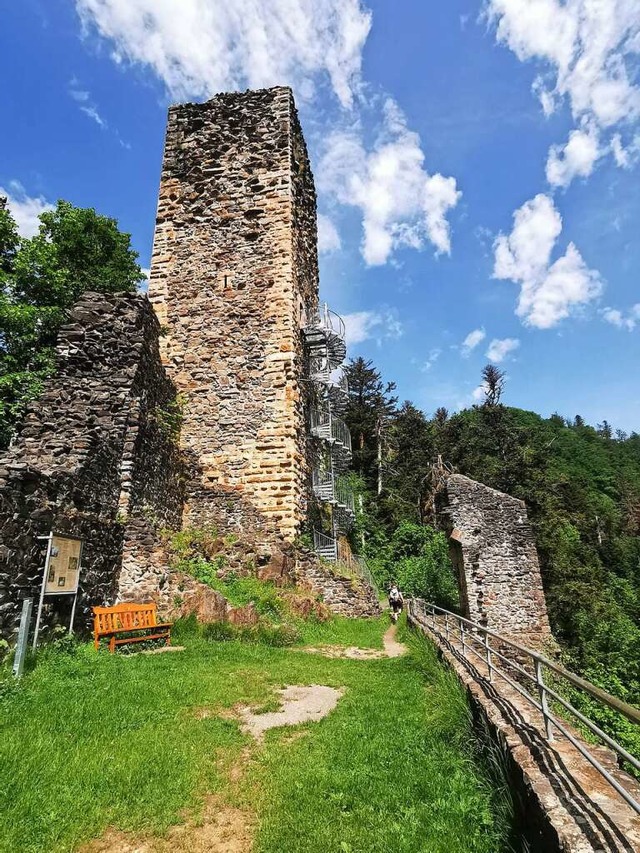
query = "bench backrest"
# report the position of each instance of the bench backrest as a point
(123, 617)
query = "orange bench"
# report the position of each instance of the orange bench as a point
(140, 619)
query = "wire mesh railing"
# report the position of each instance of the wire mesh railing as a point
(526, 666)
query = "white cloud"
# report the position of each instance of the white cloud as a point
(622, 321)
(588, 52)
(549, 292)
(472, 340)
(85, 103)
(500, 349)
(328, 237)
(206, 46)
(402, 205)
(25, 209)
(434, 355)
(576, 158)
(480, 392)
(363, 325)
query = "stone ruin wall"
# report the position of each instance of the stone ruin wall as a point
(494, 554)
(95, 459)
(234, 275)
(234, 271)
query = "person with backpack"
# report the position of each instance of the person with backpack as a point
(396, 601)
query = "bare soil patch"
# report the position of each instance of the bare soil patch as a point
(299, 705)
(222, 829)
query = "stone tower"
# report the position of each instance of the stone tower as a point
(234, 277)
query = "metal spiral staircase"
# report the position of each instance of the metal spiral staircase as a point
(324, 334)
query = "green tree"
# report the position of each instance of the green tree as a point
(369, 415)
(75, 250)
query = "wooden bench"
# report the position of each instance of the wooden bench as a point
(138, 619)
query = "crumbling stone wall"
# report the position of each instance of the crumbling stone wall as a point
(343, 594)
(96, 458)
(234, 273)
(494, 554)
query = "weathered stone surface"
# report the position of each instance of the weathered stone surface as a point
(342, 594)
(234, 272)
(93, 460)
(494, 553)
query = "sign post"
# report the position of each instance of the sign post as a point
(61, 573)
(23, 637)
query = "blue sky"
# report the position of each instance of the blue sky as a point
(477, 166)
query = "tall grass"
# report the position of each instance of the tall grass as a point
(89, 741)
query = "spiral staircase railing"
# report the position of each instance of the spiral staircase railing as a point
(324, 333)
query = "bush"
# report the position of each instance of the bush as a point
(268, 635)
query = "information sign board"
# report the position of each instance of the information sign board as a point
(64, 565)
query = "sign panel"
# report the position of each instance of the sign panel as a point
(63, 566)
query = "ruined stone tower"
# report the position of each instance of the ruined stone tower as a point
(234, 278)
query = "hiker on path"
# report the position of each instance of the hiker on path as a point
(396, 601)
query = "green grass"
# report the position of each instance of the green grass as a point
(90, 741)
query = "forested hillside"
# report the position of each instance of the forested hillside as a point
(581, 485)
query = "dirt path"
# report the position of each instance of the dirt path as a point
(391, 649)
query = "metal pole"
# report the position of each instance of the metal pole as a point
(543, 700)
(23, 637)
(73, 612)
(44, 583)
(446, 626)
(464, 650)
(488, 652)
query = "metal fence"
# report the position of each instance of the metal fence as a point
(494, 649)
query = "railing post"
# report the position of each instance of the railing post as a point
(488, 653)
(464, 648)
(446, 626)
(542, 692)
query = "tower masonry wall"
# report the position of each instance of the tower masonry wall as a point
(234, 274)
(494, 554)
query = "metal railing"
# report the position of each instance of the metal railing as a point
(328, 321)
(472, 636)
(325, 546)
(328, 487)
(325, 425)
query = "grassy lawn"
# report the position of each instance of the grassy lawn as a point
(90, 741)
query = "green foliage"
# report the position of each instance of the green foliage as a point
(416, 557)
(278, 636)
(582, 489)
(41, 277)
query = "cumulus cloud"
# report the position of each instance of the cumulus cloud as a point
(328, 237)
(25, 209)
(588, 53)
(472, 340)
(576, 158)
(623, 321)
(549, 292)
(402, 205)
(499, 349)
(207, 47)
(363, 325)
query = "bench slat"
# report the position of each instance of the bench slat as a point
(127, 618)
